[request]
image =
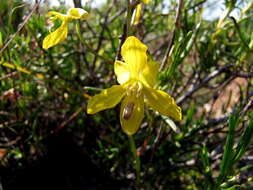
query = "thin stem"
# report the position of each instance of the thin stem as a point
(171, 39)
(137, 161)
(36, 5)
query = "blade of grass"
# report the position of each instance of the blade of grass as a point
(204, 156)
(226, 162)
(244, 141)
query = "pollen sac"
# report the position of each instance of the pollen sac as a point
(128, 110)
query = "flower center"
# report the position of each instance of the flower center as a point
(134, 89)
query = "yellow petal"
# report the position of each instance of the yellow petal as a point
(122, 72)
(149, 74)
(145, 1)
(162, 102)
(131, 113)
(56, 37)
(134, 54)
(137, 14)
(106, 99)
(56, 15)
(78, 13)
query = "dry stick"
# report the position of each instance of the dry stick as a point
(243, 75)
(101, 37)
(10, 143)
(248, 105)
(72, 117)
(20, 27)
(189, 81)
(10, 75)
(171, 41)
(122, 40)
(119, 13)
(215, 97)
(126, 26)
(214, 74)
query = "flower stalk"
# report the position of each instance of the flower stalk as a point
(137, 161)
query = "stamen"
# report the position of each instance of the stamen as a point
(134, 89)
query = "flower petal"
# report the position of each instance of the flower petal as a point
(149, 74)
(122, 72)
(56, 37)
(131, 113)
(162, 102)
(137, 14)
(134, 54)
(108, 98)
(55, 15)
(78, 13)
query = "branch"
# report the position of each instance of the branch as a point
(195, 88)
(20, 27)
(171, 41)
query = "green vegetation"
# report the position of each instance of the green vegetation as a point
(206, 66)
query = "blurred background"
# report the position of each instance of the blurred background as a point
(47, 140)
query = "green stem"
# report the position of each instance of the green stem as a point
(137, 161)
(78, 31)
(92, 88)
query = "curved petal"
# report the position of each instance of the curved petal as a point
(56, 15)
(134, 54)
(108, 98)
(78, 13)
(149, 74)
(162, 102)
(122, 72)
(56, 37)
(137, 14)
(131, 113)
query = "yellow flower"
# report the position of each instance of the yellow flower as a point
(60, 33)
(136, 77)
(137, 12)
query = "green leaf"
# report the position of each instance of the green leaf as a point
(204, 156)
(244, 141)
(179, 52)
(236, 187)
(182, 49)
(1, 40)
(226, 162)
(171, 124)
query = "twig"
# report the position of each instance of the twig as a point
(248, 105)
(122, 40)
(72, 117)
(126, 26)
(171, 40)
(243, 75)
(10, 75)
(20, 27)
(195, 88)
(101, 38)
(10, 143)
(117, 15)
